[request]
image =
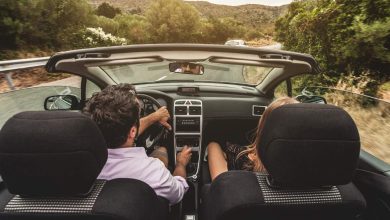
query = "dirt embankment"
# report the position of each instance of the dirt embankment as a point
(28, 78)
(265, 41)
(372, 120)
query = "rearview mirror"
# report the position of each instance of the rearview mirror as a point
(187, 68)
(61, 102)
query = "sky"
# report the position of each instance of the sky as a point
(242, 2)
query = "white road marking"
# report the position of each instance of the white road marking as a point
(161, 78)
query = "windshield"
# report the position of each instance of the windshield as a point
(213, 72)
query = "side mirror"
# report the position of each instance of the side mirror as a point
(311, 99)
(61, 102)
(186, 68)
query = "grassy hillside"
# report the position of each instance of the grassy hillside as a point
(124, 5)
(250, 14)
(258, 16)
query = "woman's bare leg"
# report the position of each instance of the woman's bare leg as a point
(217, 160)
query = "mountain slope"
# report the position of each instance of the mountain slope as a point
(250, 15)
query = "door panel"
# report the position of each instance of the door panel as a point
(373, 180)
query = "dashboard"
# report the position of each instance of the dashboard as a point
(198, 108)
(218, 100)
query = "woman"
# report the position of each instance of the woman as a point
(235, 157)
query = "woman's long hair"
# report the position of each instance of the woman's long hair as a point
(256, 164)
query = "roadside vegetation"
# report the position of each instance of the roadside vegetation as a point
(46, 25)
(349, 39)
(373, 121)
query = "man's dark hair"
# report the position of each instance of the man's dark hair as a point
(115, 110)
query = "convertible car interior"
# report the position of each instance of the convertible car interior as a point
(51, 156)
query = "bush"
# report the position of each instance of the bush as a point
(96, 37)
(345, 36)
(107, 10)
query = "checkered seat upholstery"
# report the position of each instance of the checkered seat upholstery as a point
(49, 162)
(310, 152)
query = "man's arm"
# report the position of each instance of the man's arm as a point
(174, 186)
(180, 170)
(161, 115)
(182, 159)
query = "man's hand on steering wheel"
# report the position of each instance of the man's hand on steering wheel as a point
(162, 116)
(152, 133)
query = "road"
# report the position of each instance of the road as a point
(29, 99)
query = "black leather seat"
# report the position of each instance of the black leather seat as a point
(49, 162)
(310, 152)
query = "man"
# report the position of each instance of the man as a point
(192, 68)
(116, 111)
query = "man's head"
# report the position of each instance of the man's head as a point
(191, 68)
(116, 111)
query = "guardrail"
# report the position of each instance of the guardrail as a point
(7, 66)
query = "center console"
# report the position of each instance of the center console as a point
(187, 125)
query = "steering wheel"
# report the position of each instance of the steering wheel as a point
(155, 132)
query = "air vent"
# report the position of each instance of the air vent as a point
(180, 102)
(195, 102)
(180, 110)
(195, 110)
(258, 110)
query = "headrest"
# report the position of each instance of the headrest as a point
(309, 145)
(51, 153)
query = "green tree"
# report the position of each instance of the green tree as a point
(344, 35)
(134, 28)
(13, 21)
(57, 22)
(172, 21)
(107, 24)
(107, 10)
(218, 30)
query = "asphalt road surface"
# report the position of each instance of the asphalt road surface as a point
(29, 99)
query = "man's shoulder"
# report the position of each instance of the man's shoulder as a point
(157, 162)
(152, 162)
